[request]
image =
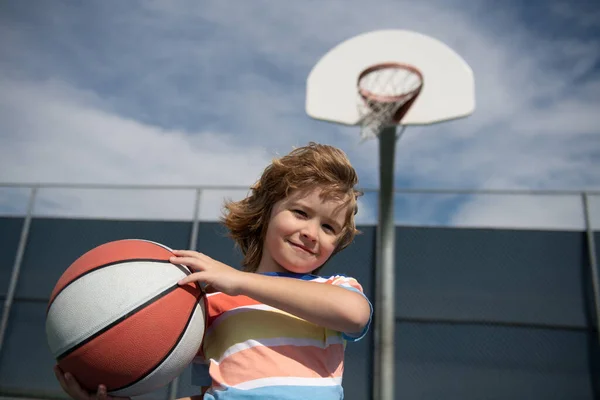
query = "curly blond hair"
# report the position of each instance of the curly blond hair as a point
(314, 165)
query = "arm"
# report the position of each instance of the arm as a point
(324, 305)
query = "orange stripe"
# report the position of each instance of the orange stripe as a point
(279, 361)
(218, 303)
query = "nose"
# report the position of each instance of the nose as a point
(309, 231)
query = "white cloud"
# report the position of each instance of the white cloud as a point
(367, 210)
(136, 204)
(525, 212)
(205, 93)
(67, 140)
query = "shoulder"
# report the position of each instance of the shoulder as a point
(341, 280)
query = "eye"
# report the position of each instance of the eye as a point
(300, 213)
(329, 228)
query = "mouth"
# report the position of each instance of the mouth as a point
(299, 246)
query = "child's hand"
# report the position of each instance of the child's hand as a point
(212, 272)
(73, 389)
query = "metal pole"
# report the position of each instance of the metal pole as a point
(191, 246)
(196, 221)
(12, 287)
(591, 245)
(385, 279)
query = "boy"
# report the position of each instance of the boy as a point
(275, 330)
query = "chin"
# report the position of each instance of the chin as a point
(300, 269)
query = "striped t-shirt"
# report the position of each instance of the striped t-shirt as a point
(254, 351)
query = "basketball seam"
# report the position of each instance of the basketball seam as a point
(183, 332)
(158, 260)
(117, 321)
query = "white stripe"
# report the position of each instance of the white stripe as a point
(251, 307)
(281, 341)
(156, 243)
(288, 381)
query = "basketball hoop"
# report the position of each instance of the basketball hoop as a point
(388, 90)
(372, 80)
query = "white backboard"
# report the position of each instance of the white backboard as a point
(448, 83)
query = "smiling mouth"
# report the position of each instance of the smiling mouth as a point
(301, 248)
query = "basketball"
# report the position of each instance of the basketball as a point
(118, 317)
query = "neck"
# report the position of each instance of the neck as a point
(270, 267)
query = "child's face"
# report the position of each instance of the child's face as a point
(302, 232)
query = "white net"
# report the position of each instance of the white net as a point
(383, 91)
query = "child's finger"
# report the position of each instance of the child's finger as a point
(181, 259)
(101, 394)
(71, 386)
(196, 277)
(185, 253)
(75, 391)
(193, 263)
(60, 377)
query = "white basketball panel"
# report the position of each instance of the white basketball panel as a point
(99, 298)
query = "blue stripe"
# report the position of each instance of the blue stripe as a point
(304, 277)
(279, 393)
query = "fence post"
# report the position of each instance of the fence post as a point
(591, 246)
(14, 278)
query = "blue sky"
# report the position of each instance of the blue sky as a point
(207, 92)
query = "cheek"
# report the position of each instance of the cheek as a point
(279, 229)
(327, 246)
(286, 225)
(273, 237)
